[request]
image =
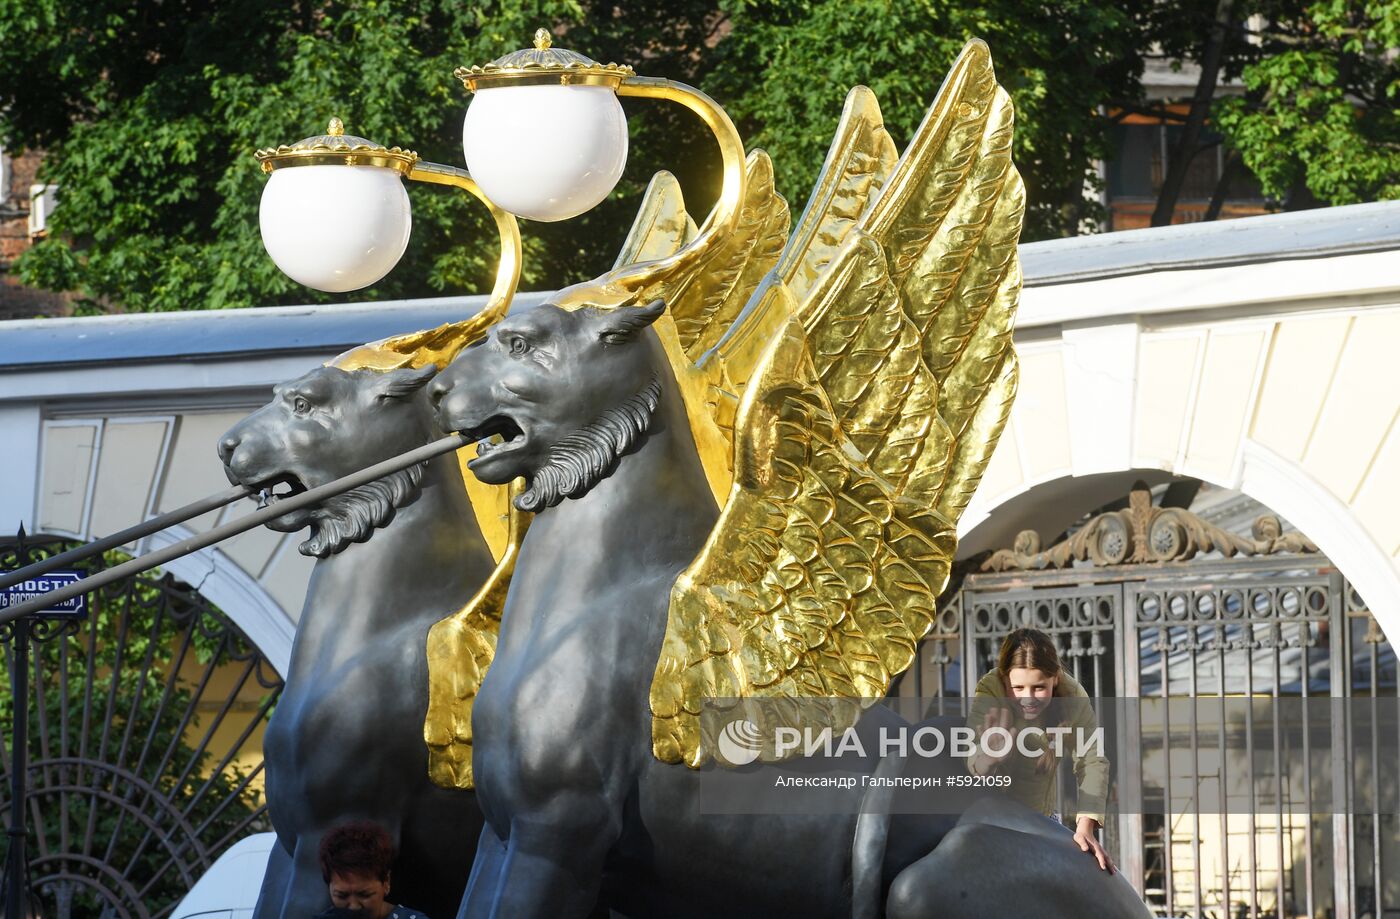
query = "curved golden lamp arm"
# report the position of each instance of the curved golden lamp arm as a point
(508, 271)
(440, 345)
(726, 211)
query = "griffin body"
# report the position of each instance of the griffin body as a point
(562, 737)
(569, 633)
(747, 462)
(578, 806)
(346, 740)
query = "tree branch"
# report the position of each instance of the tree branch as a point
(1186, 145)
(1233, 162)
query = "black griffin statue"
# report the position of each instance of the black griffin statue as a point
(747, 459)
(394, 557)
(583, 404)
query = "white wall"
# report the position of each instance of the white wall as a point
(1274, 379)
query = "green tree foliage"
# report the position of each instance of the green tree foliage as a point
(156, 109)
(149, 111)
(787, 67)
(1315, 122)
(1319, 114)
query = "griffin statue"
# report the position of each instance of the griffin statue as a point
(745, 450)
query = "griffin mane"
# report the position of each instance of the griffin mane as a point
(585, 457)
(355, 515)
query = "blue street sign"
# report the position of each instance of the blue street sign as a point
(72, 608)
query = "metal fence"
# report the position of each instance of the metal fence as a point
(1198, 615)
(146, 721)
(144, 746)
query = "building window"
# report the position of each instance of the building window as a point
(1136, 172)
(42, 200)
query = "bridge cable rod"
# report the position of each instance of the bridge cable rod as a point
(130, 534)
(277, 509)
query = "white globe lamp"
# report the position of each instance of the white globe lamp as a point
(545, 136)
(334, 213)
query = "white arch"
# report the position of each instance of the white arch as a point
(1288, 401)
(1287, 489)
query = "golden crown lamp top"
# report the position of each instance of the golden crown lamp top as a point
(336, 147)
(543, 64)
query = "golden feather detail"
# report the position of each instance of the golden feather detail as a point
(869, 376)
(662, 225)
(861, 157)
(709, 299)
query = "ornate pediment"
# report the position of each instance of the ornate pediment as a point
(1144, 534)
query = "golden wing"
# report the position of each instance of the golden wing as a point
(860, 436)
(705, 300)
(817, 580)
(460, 649)
(949, 220)
(857, 165)
(662, 225)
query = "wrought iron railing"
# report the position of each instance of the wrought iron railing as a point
(144, 743)
(1159, 605)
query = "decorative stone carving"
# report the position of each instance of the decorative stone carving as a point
(1143, 534)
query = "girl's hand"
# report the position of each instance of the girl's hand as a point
(985, 763)
(1084, 835)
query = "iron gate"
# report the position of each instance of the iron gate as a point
(144, 746)
(1156, 603)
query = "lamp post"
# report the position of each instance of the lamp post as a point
(335, 217)
(544, 138)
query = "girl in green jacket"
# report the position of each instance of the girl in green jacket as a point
(1027, 690)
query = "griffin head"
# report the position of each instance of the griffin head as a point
(556, 394)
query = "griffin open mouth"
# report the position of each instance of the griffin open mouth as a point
(267, 490)
(496, 434)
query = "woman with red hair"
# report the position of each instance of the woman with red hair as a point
(355, 862)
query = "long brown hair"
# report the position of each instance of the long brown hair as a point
(1031, 649)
